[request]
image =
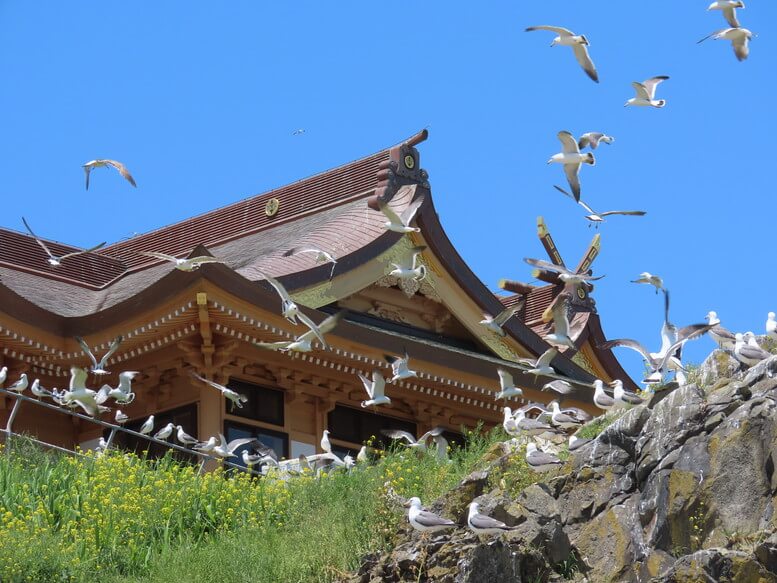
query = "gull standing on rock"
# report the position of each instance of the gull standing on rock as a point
(183, 264)
(572, 159)
(593, 139)
(482, 524)
(747, 354)
(771, 326)
(578, 43)
(729, 10)
(576, 443)
(539, 461)
(104, 163)
(601, 398)
(507, 386)
(646, 93)
(54, 260)
(560, 419)
(376, 389)
(424, 521)
(624, 399)
(722, 337)
(739, 37)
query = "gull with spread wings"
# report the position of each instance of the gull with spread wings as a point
(290, 310)
(495, 323)
(105, 163)
(729, 8)
(321, 256)
(646, 93)
(409, 267)
(739, 37)
(183, 264)
(376, 390)
(236, 398)
(593, 139)
(401, 223)
(579, 44)
(54, 260)
(595, 217)
(564, 274)
(99, 367)
(303, 343)
(572, 160)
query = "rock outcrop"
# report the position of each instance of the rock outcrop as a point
(681, 489)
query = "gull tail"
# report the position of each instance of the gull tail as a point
(660, 103)
(590, 159)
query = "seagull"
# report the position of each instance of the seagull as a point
(747, 354)
(120, 417)
(424, 521)
(751, 340)
(572, 159)
(577, 42)
(190, 264)
(165, 432)
(206, 446)
(561, 387)
(99, 367)
(19, 386)
(401, 223)
(184, 437)
(560, 419)
(237, 399)
(650, 279)
(303, 343)
(409, 267)
(227, 450)
(495, 323)
(593, 139)
(363, 456)
(624, 399)
(558, 310)
(399, 367)
(321, 256)
(729, 10)
(482, 524)
(3, 375)
(326, 446)
(147, 427)
(530, 426)
(508, 423)
(121, 168)
(123, 393)
(576, 443)
(421, 443)
(250, 460)
(375, 390)
(564, 274)
(739, 37)
(724, 338)
(54, 260)
(595, 217)
(771, 327)
(541, 366)
(539, 461)
(290, 310)
(507, 386)
(298, 132)
(40, 392)
(601, 398)
(646, 93)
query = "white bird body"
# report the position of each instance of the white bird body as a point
(165, 432)
(739, 37)
(576, 442)
(424, 521)
(508, 424)
(184, 437)
(237, 399)
(410, 267)
(37, 390)
(148, 426)
(649, 279)
(326, 446)
(401, 223)
(104, 163)
(3, 375)
(400, 367)
(646, 93)
(507, 386)
(539, 461)
(624, 400)
(121, 418)
(183, 263)
(98, 368)
(375, 390)
(579, 44)
(542, 365)
(729, 10)
(560, 419)
(601, 398)
(482, 524)
(304, 342)
(495, 323)
(19, 386)
(572, 159)
(206, 446)
(593, 139)
(771, 327)
(227, 450)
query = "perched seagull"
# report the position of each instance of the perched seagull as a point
(190, 264)
(595, 217)
(539, 461)
(303, 343)
(321, 256)
(508, 423)
(560, 419)
(722, 337)
(495, 323)
(650, 279)
(121, 168)
(729, 10)
(576, 443)
(577, 42)
(227, 450)
(564, 274)
(363, 456)
(376, 390)
(771, 328)
(409, 267)
(400, 367)
(99, 367)
(40, 392)
(424, 521)
(602, 399)
(19, 386)
(507, 386)
(326, 446)
(572, 159)
(558, 310)
(624, 399)
(747, 354)
(401, 223)
(165, 432)
(54, 260)
(120, 417)
(206, 446)
(530, 426)
(148, 426)
(482, 524)
(541, 366)
(751, 340)
(593, 139)
(237, 399)
(739, 37)
(421, 443)
(646, 93)
(184, 438)
(3, 375)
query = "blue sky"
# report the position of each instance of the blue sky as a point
(200, 100)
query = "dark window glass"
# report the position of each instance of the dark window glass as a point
(358, 426)
(275, 439)
(185, 416)
(265, 405)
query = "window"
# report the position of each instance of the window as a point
(358, 426)
(263, 404)
(185, 416)
(275, 439)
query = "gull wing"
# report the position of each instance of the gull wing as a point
(111, 349)
(628, 343)
(78, 378)
(433, 432)
(584, 59)
(34, 236)
(547, 357)
(642, 91)
(691, 332)
(273, 345)
(651, 84)
(87, 170)
(557, 29)
(578, 201)
(429, 519)
(568, 142)
(278, 286)
(367, 385)
(122, 170)
(313, 328)
(87, 350)
(505, 315)
(627, 213)
(378, 385)
(74, 253)
(485, 522)
(390, 214)
(540, 458)
(505, 378)
(399, 434)
(730, 14)
(202, 259)
(741, 47)
(590, 139)
(325, 327)
(235, 443)
(415, 252)
(572, 172)
(156, 255)
(546, 265)
(207, 382)
(409, 213)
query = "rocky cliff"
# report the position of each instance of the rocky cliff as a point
(679, 490)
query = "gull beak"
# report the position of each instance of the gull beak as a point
(406, 504)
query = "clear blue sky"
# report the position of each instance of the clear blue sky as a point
(200, 99)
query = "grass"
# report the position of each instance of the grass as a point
(122, 518)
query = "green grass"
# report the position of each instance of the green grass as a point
(122, 518)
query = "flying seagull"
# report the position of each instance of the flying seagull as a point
(190, 264)
(56, 261)
(539, 461)
(123, 393)
(564, 274)
(226, 450)
(236, 398)
(507, 386)
(729, 10)
(722, 337)
(424, 521)
(409, 267)
(321, 256)
(595, 217)
(541, 366)
(593, 139)
(482, 524)
(559, 386)
(298, 132)
(303, 343)
(376, 390)
(495, 323)
(577, 42)
(400, 367)
(290, 310)
(572, 159)
(646, 93)
(739, 37)
(650, 279)
(558, 310)
(121, 168)
(421, 443)
(99, 367)
(401, 223)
